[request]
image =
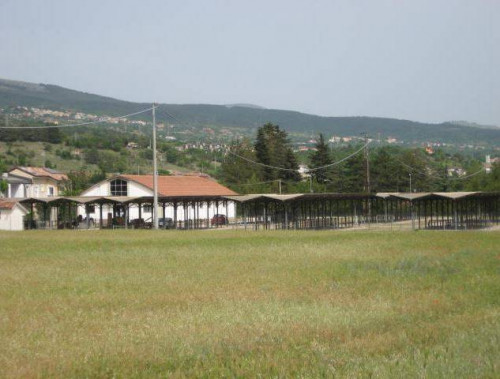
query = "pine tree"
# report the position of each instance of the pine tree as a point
(386, 172)
(320, 158)
(272, 148)
(262, 151)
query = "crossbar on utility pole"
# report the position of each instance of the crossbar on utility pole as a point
(155, 174)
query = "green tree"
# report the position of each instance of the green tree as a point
(110, 161)
(387, 174)
(53, 135)
(235, 171)
(3, 186)
(320, 158)
(493, 179)
(92, 156)
(353, 174)
(3, 166)
(78, 181)
(418, 172)
(272, 148)
(147, 154)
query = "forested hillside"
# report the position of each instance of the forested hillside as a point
(13, 93)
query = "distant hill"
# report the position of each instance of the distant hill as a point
(13, 93)
(474, 125)
(253, 106)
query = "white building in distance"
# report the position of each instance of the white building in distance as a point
(182, 190)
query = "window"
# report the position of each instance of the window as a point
(147, 208)
(51, 191)
(118, 187)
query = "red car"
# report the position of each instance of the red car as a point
(218, 220)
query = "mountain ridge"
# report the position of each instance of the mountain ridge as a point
(247, 116)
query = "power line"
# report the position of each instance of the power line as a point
(261, 164)
(172, 117)
(100, 121)
(467, 176)
(308, 170)
(340, 161)
(413, 169)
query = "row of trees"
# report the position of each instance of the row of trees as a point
(51, 135)
(270, 164)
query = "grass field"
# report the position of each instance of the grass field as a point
(234, 303)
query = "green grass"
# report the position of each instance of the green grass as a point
(234, 303)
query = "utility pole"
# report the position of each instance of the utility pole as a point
(279, 183)
(155, 174)
(367, 166)
(367, 179)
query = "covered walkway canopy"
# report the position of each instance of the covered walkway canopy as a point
(426, 210)
(450, 210)
(66, 210)
(429, 210)
(305, 210)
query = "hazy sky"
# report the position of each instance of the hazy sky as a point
(424, 60)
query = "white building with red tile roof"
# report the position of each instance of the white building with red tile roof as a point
(180, 188)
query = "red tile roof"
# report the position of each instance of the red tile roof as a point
(42, 171)
(7, 203)
(182, 185)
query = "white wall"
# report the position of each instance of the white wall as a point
(41, 190)
(32, 190)
(137, 190)
(104, 189)
(169, 211)
(16, 190)
(11, 219)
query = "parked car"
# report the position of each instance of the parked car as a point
(219, 220)
(165, 223)
(139, 223)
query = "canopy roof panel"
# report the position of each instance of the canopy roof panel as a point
(299, 196)
(428, 195)
(254, 197)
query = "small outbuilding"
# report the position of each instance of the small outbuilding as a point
(12, 215)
